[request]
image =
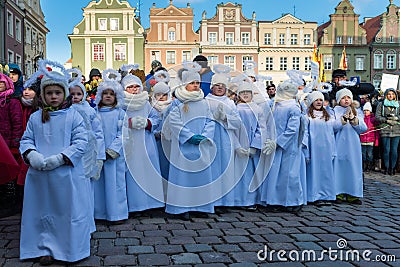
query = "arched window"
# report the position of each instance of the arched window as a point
(391, 60)
(378, 59)
(171, 34)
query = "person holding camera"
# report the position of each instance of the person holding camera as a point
(388, 114)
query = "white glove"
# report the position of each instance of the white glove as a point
(269, 147)
(99, 167)
(220, 114)
(53, 162)
(242, 152)
(138, 123)
(36, 160)
(252, 152)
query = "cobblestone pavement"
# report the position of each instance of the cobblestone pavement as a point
(235, 237)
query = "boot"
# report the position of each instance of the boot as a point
(393, 171)
(371, 166)
(378, 163)
(389, 171)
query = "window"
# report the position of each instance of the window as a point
(296, 63)
(350, 40)
(391, 60)
(391, 39)
(283, 63)
(18, 60)
(229, 38)
(307, 63)
(212, 38)
(155, 55)
(377, 84)
(281, 38)
(212, 59)
(119, 52)
(339, 39)
(102, 24)
(10, 56)
(293, 39)
(244, 59)
(34, 38)
(186, 56)
(40, 43)
(328, 62)
(360, 62)
(378, 60)
(98, 52)
(267, 38)
(10, 26)
(114, 24)
(307, 39)
(171, 35)
(170, 57)
(18, 32)
(230, 61)
(245, 38)
(269, 63)
(28, 35)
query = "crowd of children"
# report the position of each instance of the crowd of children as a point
(178, 150)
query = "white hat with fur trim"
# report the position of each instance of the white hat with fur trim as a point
(245, 86)
(221, 75)
(131, 79)
(342, 93)
(111, 81)
(191, 72)
(314, 95)
(367, 106)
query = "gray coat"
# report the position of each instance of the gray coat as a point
(383, 113)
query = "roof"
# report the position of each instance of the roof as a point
(372, 27)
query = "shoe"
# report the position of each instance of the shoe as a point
(321, 203)
(118, 222)
(46, 260)
(389, 172)
(199, 214)
(393, 171)
(273, 208)
(356, 202)
(184, 216)
(341, 198)
(251, 208)
(385, 171)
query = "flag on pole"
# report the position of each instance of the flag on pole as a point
(315, 54)
(343, 60)
(322, 77)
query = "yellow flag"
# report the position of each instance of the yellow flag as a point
(343, 60)
(315, 54)
(322, 77)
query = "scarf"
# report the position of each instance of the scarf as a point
(160, 106)
(3, 96)
(185, 96)
(391, 103)
(136, 101)
(26, 102)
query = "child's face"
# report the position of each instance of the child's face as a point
(133, 89)
(14, 77)
(219, 89)
(2, 86)
(318, 104)
(161, 97)
(108, 97)
(28, 93)
(54, 95)
(391, 96)
(246, 96)
(345, 101)
(76, 93)
(193, 86)
(367, 112)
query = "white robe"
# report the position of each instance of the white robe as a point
(56, 217)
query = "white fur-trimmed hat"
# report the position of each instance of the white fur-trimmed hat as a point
(285, 91)
(342, 93)
(245, 86)
(111, 83)
(131, 79)
(161, 87)
(221, 75)
(314, 96)
(367, 106)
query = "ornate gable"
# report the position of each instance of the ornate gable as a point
(108, 4)
(170, 11)
(288, 19)
(344, 8)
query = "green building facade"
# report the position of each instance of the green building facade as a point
(107, 37)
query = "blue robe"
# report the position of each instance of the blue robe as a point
(283, 185)
(223, 166)
(249, 135)
(110, 201)
(190, 164)
(144, 183)
(348, 162)
(56, 217)
(322, 151)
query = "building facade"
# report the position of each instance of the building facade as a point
(229, 37)
(107, 37)
(384, 43)
(35, 32)
(170, 38)
(286, 43)
(343, 30)
(13, 41)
